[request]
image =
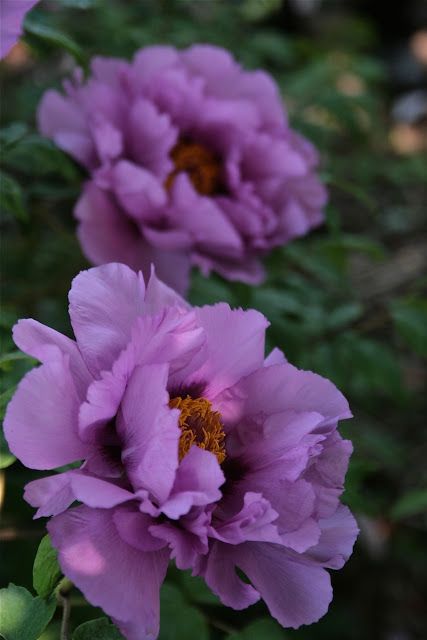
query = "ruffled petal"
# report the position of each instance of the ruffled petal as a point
(138, 191)
(104, 304)
(113, 575)
(253, 522)
(339, 533)
(219, 572)
(280, 388)
(107, 234)
(234, 343)
(52, 495)
(151, 137)
(188, 539)
(41, 423)
(149, 432)
(45, 344)
(296, 593)
(197, 483)
(208, 226)
(170, 336)
(134, 528)
(61, 119)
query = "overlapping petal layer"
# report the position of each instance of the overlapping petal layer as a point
(112, 403)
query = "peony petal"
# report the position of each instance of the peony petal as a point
(97, 493)
(134, 528)
(46, 344)
(12, 16)
(159, 296)
(208, 226)
(170, 336)
(197, 483)
(149, 432)
(62, 119)
(219, 572)
(104, 304)
(108, 139)
(235, 346)
(138, 191)
(253, 522)
(120, 579)
(188, 539)
(150, 60)
(339, 533)
(276, 356)
(52, 495)
(295, 593)
(41, 419)
(151, 137)
(107, 234)
(328, 473)
(284, 387)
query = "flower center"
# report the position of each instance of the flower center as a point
(199, 425)
(200, 163)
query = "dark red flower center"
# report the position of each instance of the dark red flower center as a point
(202, 166)
(199, 425)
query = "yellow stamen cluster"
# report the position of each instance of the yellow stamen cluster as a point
(201, 165)
(199, 425)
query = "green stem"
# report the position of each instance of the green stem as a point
(64, 598)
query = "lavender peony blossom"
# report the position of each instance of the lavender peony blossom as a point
(193, 446)
(12, 14)
(191, 161)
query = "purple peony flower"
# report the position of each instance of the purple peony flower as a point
(12, 14)
(191, 161)
(193, 446)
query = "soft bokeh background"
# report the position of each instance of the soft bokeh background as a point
(346, 301)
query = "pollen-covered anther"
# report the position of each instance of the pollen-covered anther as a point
(200, 426)
(200, 164)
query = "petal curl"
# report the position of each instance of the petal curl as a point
(113, 575)
(41, 422)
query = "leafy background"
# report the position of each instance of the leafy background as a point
(348, 301)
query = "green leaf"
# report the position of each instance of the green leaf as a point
(79, 4)
(50, 160)
(196, 589)
(411, 504)
(56, 38)
(8, 358)
(178, 618)
(4, 399)
(12, 198)
(46, 571)
(12, 134)
(264, 629)
(410, 320)
(23, 617)
(6, 458)
(99, 629)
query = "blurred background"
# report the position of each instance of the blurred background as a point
(348, 301)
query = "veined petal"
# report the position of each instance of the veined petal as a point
(42, 418)
(149, 432)
(111, 574)
(235, 346)
(296, 593)
(45, 344)
(104, 304)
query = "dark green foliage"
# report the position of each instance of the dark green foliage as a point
(46, 571)
(347, 301)
(23, 617)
